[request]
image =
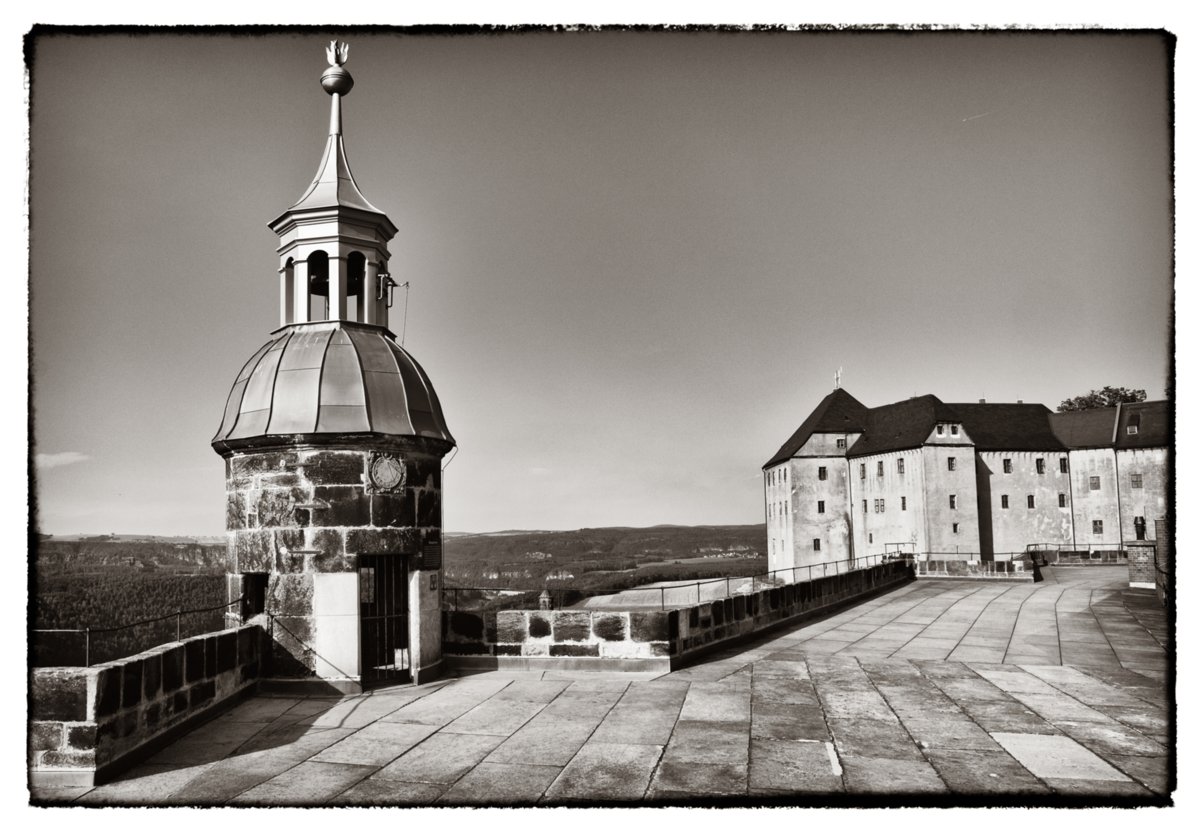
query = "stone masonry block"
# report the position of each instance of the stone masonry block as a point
(571, 626)
(511, 626)
(290, 595)
(718, 613)
(394, 509)
(466, 625)
(254, 550)
(81, 736)
(193, 660)
(201, 693)
(275, 508)
(247, 643)
(235, 510)
(45, 736)
(172, 667)
(429, 508)
(227, 651)
(59, 694)
(575, 650)
(328, 542)
(210, 657)
(151, 716)
(242, 470)
(507, 650)
(108, 691)
(539, 625)
(285, 540)
(349, 506)
(611, 627)
(647, 625)
(325, 468)
(405, 541)
(131, 683)
(68, 759)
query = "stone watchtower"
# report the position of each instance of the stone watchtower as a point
(333, 439)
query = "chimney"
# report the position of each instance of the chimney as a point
(1020, 401)
(983, 400)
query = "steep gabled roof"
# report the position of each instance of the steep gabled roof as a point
(839, 413)
(1154, 420)
(903, 425)
(1085, 429)
(1009, 426)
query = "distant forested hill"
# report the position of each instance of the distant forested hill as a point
(604, 558)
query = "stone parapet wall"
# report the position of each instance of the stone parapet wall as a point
(604, 635)
(86, 723)
(1015, 570)
(1141, 564)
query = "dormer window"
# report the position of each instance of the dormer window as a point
(941, 430)
(1131, 430)
(954, 428)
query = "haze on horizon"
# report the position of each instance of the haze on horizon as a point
(636, 258)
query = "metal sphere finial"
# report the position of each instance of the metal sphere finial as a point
(336, 80)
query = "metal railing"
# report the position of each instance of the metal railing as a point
(89, 632)
(1079, 553)
(683, 593)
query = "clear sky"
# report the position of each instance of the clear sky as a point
(636, 259)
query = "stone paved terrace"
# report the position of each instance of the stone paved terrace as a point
(949, 692)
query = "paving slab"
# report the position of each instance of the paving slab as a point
(983, 772)
(696, 741)
(1057, 757)
(147, 784)
(857, 737)
(547, 743)
(376, 744)
(799, 767)
(441, 759)
(375, 791)
(606, 772)
(499, 784)
(310, 783)
(679, 780)
(875, 775)
(779, 721)
(495, 716)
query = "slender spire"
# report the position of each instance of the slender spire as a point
(334, 184)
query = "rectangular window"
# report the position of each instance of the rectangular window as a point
(1062, 464)
(954, 428)
(882, 504)
(870, 538)
(879, 468)
(1029, 501)
(822, 473)
(941, 430)
(1062, 499)
(951, 463)
(1003, 502)
(877, 505)
(820, 506)
(1007, 466)
(1041, 466)
(862, 471)
(953, 502)
(903, 502)
(841, 443)
(864, 506)
(900, 465)
(1094, 482)
(1135, 481)
(1097, 527)
(816, 545)
(954, 528)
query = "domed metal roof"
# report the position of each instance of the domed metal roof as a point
(329, 378)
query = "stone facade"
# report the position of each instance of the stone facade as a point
(972, 480)
(87, 722)
(303, 514)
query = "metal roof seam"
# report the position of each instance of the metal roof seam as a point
(237, 412)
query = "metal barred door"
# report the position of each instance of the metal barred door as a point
(383, 617)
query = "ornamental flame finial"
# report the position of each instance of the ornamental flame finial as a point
(337, 53)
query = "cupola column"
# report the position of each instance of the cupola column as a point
(287, 289)
(300, 298)
(338, 277)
